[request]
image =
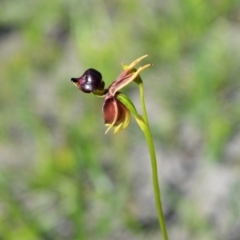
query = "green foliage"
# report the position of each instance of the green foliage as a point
(55, 159)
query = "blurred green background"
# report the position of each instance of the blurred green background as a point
(61, 177)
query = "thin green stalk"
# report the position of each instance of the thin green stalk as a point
(155, 179)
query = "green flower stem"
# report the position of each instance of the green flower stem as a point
(155, 183)
(155, 179)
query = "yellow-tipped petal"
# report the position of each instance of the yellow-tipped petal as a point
(127, 76)
(135, 62)
(115, 114)
(125, 122)
(110, 126)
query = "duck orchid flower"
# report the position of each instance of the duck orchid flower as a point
(117, 107)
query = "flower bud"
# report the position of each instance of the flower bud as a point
(90, 81)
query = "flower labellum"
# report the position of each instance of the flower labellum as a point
(90, 81)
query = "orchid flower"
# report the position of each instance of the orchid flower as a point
(115, 112)
(117, 109)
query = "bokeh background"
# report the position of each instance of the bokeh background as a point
(61, 177)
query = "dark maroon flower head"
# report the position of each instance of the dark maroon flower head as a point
(90, 81)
